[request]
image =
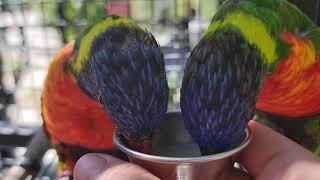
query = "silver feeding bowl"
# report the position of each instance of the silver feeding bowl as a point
(177, 157)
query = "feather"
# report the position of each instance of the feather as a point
(216, 114)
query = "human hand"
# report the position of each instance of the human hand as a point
(269, 156)
(101, 167)
(272, 156)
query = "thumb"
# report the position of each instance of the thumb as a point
(102, 166)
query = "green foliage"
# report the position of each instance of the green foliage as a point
(172, 79)
(69, 16)
(69, 10)
(94, 10)
(312, 126)
(317, 151)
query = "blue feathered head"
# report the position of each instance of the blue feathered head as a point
(221, 82)
(124, 70)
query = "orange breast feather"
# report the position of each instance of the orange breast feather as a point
(294, 88)
(70, 116)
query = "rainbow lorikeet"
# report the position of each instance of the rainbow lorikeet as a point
(290, 98)
(112, 76)
(248, 43)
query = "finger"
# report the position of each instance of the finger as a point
(236, 174)
(101, 166)
(272, 153)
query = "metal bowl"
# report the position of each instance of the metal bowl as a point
(177, 156)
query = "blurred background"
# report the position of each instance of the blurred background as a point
(32, 31)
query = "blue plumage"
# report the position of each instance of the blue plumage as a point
(219, 90)
(126, 73)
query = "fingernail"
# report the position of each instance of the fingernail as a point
(90, 166)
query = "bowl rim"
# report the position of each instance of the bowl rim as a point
(165, 159)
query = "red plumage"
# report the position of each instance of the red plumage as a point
(293, 89)
(70, 116)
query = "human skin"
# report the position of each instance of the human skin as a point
(272, 156)
(269, 156)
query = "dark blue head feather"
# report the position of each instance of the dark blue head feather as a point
(221, 82)
(126, 73)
